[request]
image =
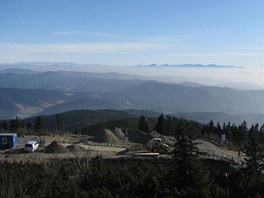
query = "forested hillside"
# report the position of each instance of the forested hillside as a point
(27, 94)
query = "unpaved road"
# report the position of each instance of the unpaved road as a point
(208, 146)
(39, 155)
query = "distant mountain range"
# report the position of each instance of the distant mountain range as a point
(206, 117)
(67, 81)
(18, 64)
(25, 93)
(142, 72)
(190, 65)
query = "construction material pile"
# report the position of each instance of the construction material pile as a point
(55, 147)
(139, 137)
(75, 148)
(118, 133)
(106, 136)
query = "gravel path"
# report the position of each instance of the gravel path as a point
(205, 145)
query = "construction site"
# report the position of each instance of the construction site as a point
(114, 144)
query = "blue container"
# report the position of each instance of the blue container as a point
(8, 140)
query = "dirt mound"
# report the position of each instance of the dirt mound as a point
(55, 147)
(107, 136)
(118, 133)
(139, 137)
(75, 148)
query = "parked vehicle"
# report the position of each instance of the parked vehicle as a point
(31, 146)
(39, 140)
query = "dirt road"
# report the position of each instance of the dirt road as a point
(218, 151)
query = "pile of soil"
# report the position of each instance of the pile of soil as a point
(139, 137)
(75, 148)
(106, 136)
(55, 147)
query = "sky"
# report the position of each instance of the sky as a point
(131, 32)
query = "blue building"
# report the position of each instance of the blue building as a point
(8, 140)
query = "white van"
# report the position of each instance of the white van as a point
(31, 146)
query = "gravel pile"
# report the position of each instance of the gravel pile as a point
(106, 136)
(118, 133)
(139, 137)
(75, 148)
(55, 147)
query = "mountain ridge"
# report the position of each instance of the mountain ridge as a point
(58, 91)
(191, 65)
(77, 119)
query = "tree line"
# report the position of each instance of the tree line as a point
(38, 127)
(237, 135)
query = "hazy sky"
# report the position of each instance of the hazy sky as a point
(130, 32)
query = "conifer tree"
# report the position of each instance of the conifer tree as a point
(143, 124)
(189, 177)
(251, 152)
(4, 126)
(249, 181)
(39, 125)
(168, 125)
(58, 123)
(161, 125)
(15, 124)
